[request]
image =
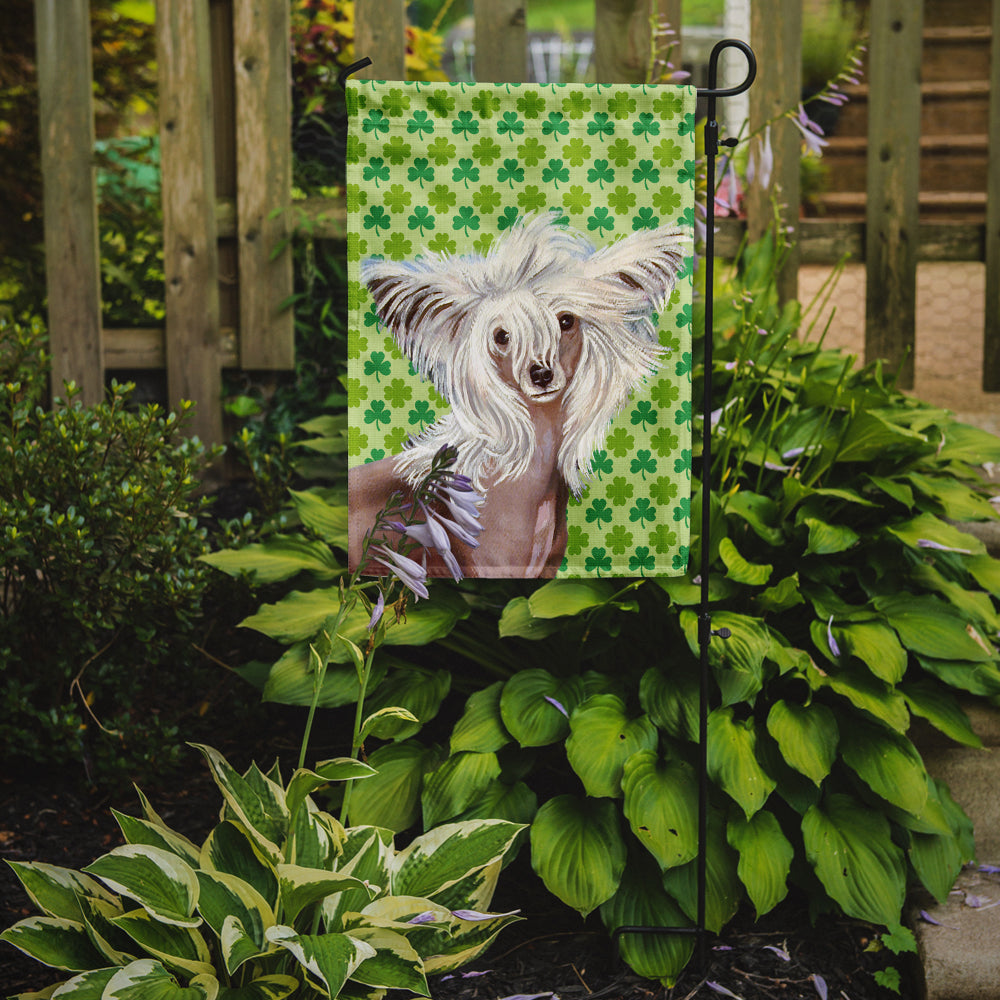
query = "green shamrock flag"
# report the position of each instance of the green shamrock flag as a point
(520, 279)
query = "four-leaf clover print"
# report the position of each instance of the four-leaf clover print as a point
(445, 169)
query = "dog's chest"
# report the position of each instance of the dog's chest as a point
(543, 536)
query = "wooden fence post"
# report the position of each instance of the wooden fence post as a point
(776, 34)
(623, 38)
(991, 332)
(893, 183)
(72, 254)
(190, 251)
(380, 34)
(501, 41)
(262, 61)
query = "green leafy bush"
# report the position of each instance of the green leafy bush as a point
(101, 587)
(280, 899)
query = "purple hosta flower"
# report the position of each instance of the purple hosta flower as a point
(989, 869)
(475, 915)
(463, 503)
(719, 988)
(760, 165)
(431, 534)
(465, 975)
(558, 705)
(927, 543)
(727, 197)
(409, 572)
(377, 611)
(820, 983)
(831, 642)
(427, 917)
(811, 132)
(780, 952)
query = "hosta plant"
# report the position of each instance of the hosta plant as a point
(279, 900)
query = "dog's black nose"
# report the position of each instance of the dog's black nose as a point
(540, 375)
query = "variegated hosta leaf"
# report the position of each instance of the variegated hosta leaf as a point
(275, 987)
(732, 760)
(395, 964)
(642, 902)
(367, 853)
(441, 857)
(602, 737)
(256, 801)
(238, 944)
(87, 986)
(765, 858)
(304, 782)
(476, 890)
(116, 946)
(315, 839)
(850, 847)
(661, 799)
(149, 980)
(468, 939)
(225, 897)
(141, 831)
(230, 849)
(807, 736)
(54, 941)
(56, 891)
(177, 947)
(160, 882)
(578, 851)
(329, 959)
(300, 887)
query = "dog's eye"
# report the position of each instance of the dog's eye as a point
(501, 337)
(566, 321)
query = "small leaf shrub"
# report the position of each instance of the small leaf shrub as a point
(100, 584)
(854, 604)
(280, 899)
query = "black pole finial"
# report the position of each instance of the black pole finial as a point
(348, 70)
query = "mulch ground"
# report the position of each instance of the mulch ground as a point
(551, 953)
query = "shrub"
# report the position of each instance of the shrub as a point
(99, 539)
(280, 899)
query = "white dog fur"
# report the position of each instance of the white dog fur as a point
(536, 345)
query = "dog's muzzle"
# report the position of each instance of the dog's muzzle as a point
(540, 376)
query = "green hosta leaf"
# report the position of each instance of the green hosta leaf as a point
(301, 887)
(671, 700)
(723, 889)
(941, 709)
(54, 941)
(888, 763)
(661, 798)
(225, 897)
(965, 443)
(864, 692)
(391, 798)
(330, 959)
(828, 539)
(385, 723)
(569, 597)
(416, 689)
(986, 571)
(765, 858)
(438, 859)
(481, 728)
(741, 571)
(147, 979)
(163, 884)
(928, 528)
(602, 738)
(732, 760)
(327, 520)
(641, 901)
(180, 948)
(975, 605)
(876, 646)
(783, 595)
(292, 680)
(807, 736)
(738, 661)
(230, 849)
(976, 678)
(937, 859)
(870, 436)
(850, 847)
(957, 501)
(279, 558)
(456, 784)
(684, 592)
(274, 987)
(515, 803)
(395, 964)
(931, 628)
(141, 831)
(517, 620)
(578, 851)
(761, 513)
(527, 711)
(260, 809)
(56, 891)
(893, 488)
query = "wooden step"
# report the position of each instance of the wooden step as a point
(945, 12)
(956, 53)
(958, 206)
(945, 105)
(947, 162)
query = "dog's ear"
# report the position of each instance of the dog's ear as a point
(419, 301)
(646, 261)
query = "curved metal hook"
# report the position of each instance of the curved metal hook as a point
(713, 69)
(348, 70)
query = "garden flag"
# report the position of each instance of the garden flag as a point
(520, 274)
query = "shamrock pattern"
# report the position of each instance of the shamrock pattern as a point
(447, 168)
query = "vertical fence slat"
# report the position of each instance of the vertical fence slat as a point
(380, 34)
(621, 40)
(72, 257)
(190, 253)
(776, 34)
(261, 57)
(893, 183)
(501, 52)
(991, 332)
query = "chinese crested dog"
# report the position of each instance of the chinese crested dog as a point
(536, 345)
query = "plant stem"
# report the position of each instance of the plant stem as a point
(356, 738)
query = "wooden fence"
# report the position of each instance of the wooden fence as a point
(226, 161)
